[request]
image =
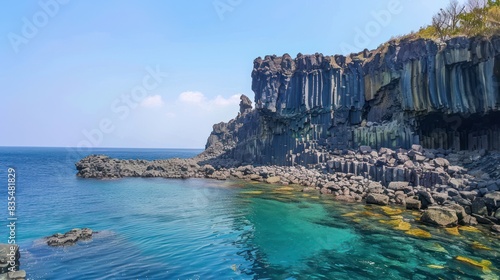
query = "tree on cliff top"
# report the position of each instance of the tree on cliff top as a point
(476, 17)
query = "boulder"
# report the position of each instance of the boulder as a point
(492, 200)
(412, 203)
(398, 186)
(273, 179)
(495, 228)
(441, 162)
(365, 149)
(440, 216)
(379, 199)
(479, 206)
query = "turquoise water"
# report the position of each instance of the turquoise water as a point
(206, 229)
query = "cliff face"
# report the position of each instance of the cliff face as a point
(440, 95)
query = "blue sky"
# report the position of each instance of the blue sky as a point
(161, 73)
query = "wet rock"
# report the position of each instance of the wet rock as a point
(379, 199)
(440, 216)
(479, 206)
(273, 179)
(495, 228)
(469, 220)
(412, 203)
(69, 238)
(426, 198)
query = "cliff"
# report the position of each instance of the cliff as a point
(442, 95)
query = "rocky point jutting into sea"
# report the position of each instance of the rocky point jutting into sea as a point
(414, 122)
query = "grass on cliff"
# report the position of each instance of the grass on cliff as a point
(474, 18)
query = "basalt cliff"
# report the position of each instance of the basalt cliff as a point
(441, 95)
(414, 123)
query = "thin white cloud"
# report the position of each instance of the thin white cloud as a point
(153, 101)
(221, 101)
(198, 98)
(195, 97)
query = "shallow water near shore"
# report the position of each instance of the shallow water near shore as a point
(206, 229)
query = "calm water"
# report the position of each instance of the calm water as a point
(205, 229)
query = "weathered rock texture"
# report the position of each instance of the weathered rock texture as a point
(439, 95)
(69, 238)
(9, 262)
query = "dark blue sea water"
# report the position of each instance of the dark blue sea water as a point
(207, 229)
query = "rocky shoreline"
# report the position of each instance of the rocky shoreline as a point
(451, 188)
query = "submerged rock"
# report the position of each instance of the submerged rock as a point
(69, 238)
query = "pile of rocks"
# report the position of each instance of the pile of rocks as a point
(9, 263)
(70, 237)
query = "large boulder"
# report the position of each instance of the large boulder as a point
(440, 216)
(379, 199)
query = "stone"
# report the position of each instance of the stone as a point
(273, 179)
(5, 254)
(492, 200)
(456, 183)
(365, 149)
(379, 199)
(69, 238)
(440, 198)
(441, 162)
(440, 216)
(417, 148)
(469, 220)
(397, 186)
(420, 158)
(412, 203)
(495, 228)
(426, 198)
(452, 192)
(461, 214)
(17, 275)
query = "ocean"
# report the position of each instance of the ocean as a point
(155, 228)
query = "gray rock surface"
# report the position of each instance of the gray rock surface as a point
(440, 216)
(413, 92)
(379, 199)
(9, 262)
(69, 238)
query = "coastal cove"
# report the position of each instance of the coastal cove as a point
(204, 228)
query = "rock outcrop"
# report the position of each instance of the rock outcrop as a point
(436, 94)
(69, 238)
(9, 262)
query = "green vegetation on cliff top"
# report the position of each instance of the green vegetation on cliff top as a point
(474, 18)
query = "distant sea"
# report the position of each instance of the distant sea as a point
(154, 228)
